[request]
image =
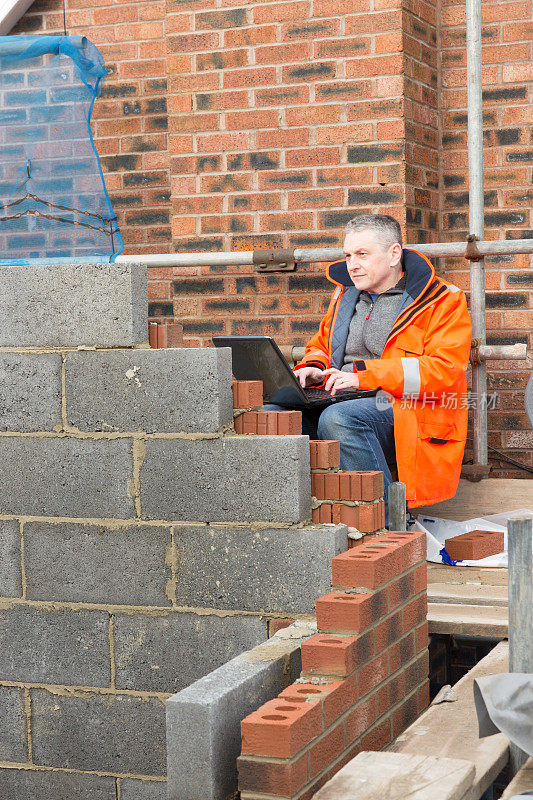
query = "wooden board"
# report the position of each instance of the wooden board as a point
(451, 729)
(489, 496)
(395, 776)
(441, 573)
(468, 620)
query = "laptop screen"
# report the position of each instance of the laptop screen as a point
(258, 358)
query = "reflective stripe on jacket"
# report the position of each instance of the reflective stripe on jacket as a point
(423, 369)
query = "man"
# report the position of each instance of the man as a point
(392, 325)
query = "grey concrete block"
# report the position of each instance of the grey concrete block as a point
(150, 390)
(20, 784)
(74, 304)
(167, 653)
(96, 564)
(56, 647)
(204, 720)
(109, 733)
(230, 479)
(282, 570)
(66, 477)
(10, 570)
(30, 391)
(130, 789)
(13, 734)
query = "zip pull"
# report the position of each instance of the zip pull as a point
(370, 310)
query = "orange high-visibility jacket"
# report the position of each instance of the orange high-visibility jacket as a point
(422, 368)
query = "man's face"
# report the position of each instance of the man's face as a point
(370, 266)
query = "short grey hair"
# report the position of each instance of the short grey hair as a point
(386, 229)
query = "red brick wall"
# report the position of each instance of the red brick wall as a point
(233, 125)
(364, 679)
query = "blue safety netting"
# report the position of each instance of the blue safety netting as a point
(53, 200)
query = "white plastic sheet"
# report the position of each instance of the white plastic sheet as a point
(437, 530)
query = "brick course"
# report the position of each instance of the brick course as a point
(359, 689)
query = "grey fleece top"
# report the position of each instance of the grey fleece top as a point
(371, 324)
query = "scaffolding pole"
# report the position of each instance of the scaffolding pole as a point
(476, 221)
(313, 255)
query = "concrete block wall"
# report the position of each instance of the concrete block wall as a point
(142, 542)
(364, 674)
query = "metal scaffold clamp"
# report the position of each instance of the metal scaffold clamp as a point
(274, 260)
(472, 253)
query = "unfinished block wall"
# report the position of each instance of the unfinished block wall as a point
(143, 542)
(364, 678)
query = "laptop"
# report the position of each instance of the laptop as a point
(258, 358)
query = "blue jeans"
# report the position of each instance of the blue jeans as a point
(365, 429)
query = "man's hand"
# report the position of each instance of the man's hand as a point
(309, 375)
(340, 380)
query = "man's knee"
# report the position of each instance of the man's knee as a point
(331, 422)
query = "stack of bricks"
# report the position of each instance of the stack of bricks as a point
(165, 334)
(364, 678)
(354, 498)
(250, 417)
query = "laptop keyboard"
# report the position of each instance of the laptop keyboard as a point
(322, 394)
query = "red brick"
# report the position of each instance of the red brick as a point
(289, 422)
(474, 545)
(331, 486)
(388, 631)
(326, 750)
(423, 697)
(247, 394)
(415, 612)
(349, 612)
(339, 699)
(413, 546)
(389, 694)
(279, 729)
(360, 719)
(325, 453)
(347, 515)
(336, 655)
(329, 655)
(367, 566)
(318, 485)
(403, 717)
(315, 515)
(417, 672)
(401, 652)
(371, 485)
(275, 625)
(369, 517)
(249, 424)
(324, 513)
(379, 737)
(372, 674)
(402, 589)
(267, 776)
(421, 577)
(421, 634)
(350, 485)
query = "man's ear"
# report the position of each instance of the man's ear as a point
(396, 255)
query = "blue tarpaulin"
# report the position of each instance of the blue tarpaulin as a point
(53, 199)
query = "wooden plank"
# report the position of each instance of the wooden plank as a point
(467, 620)
(395, 776)
(522, 781)
(451, 729)
(475, 594)
(489, 496)
(441, 573)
